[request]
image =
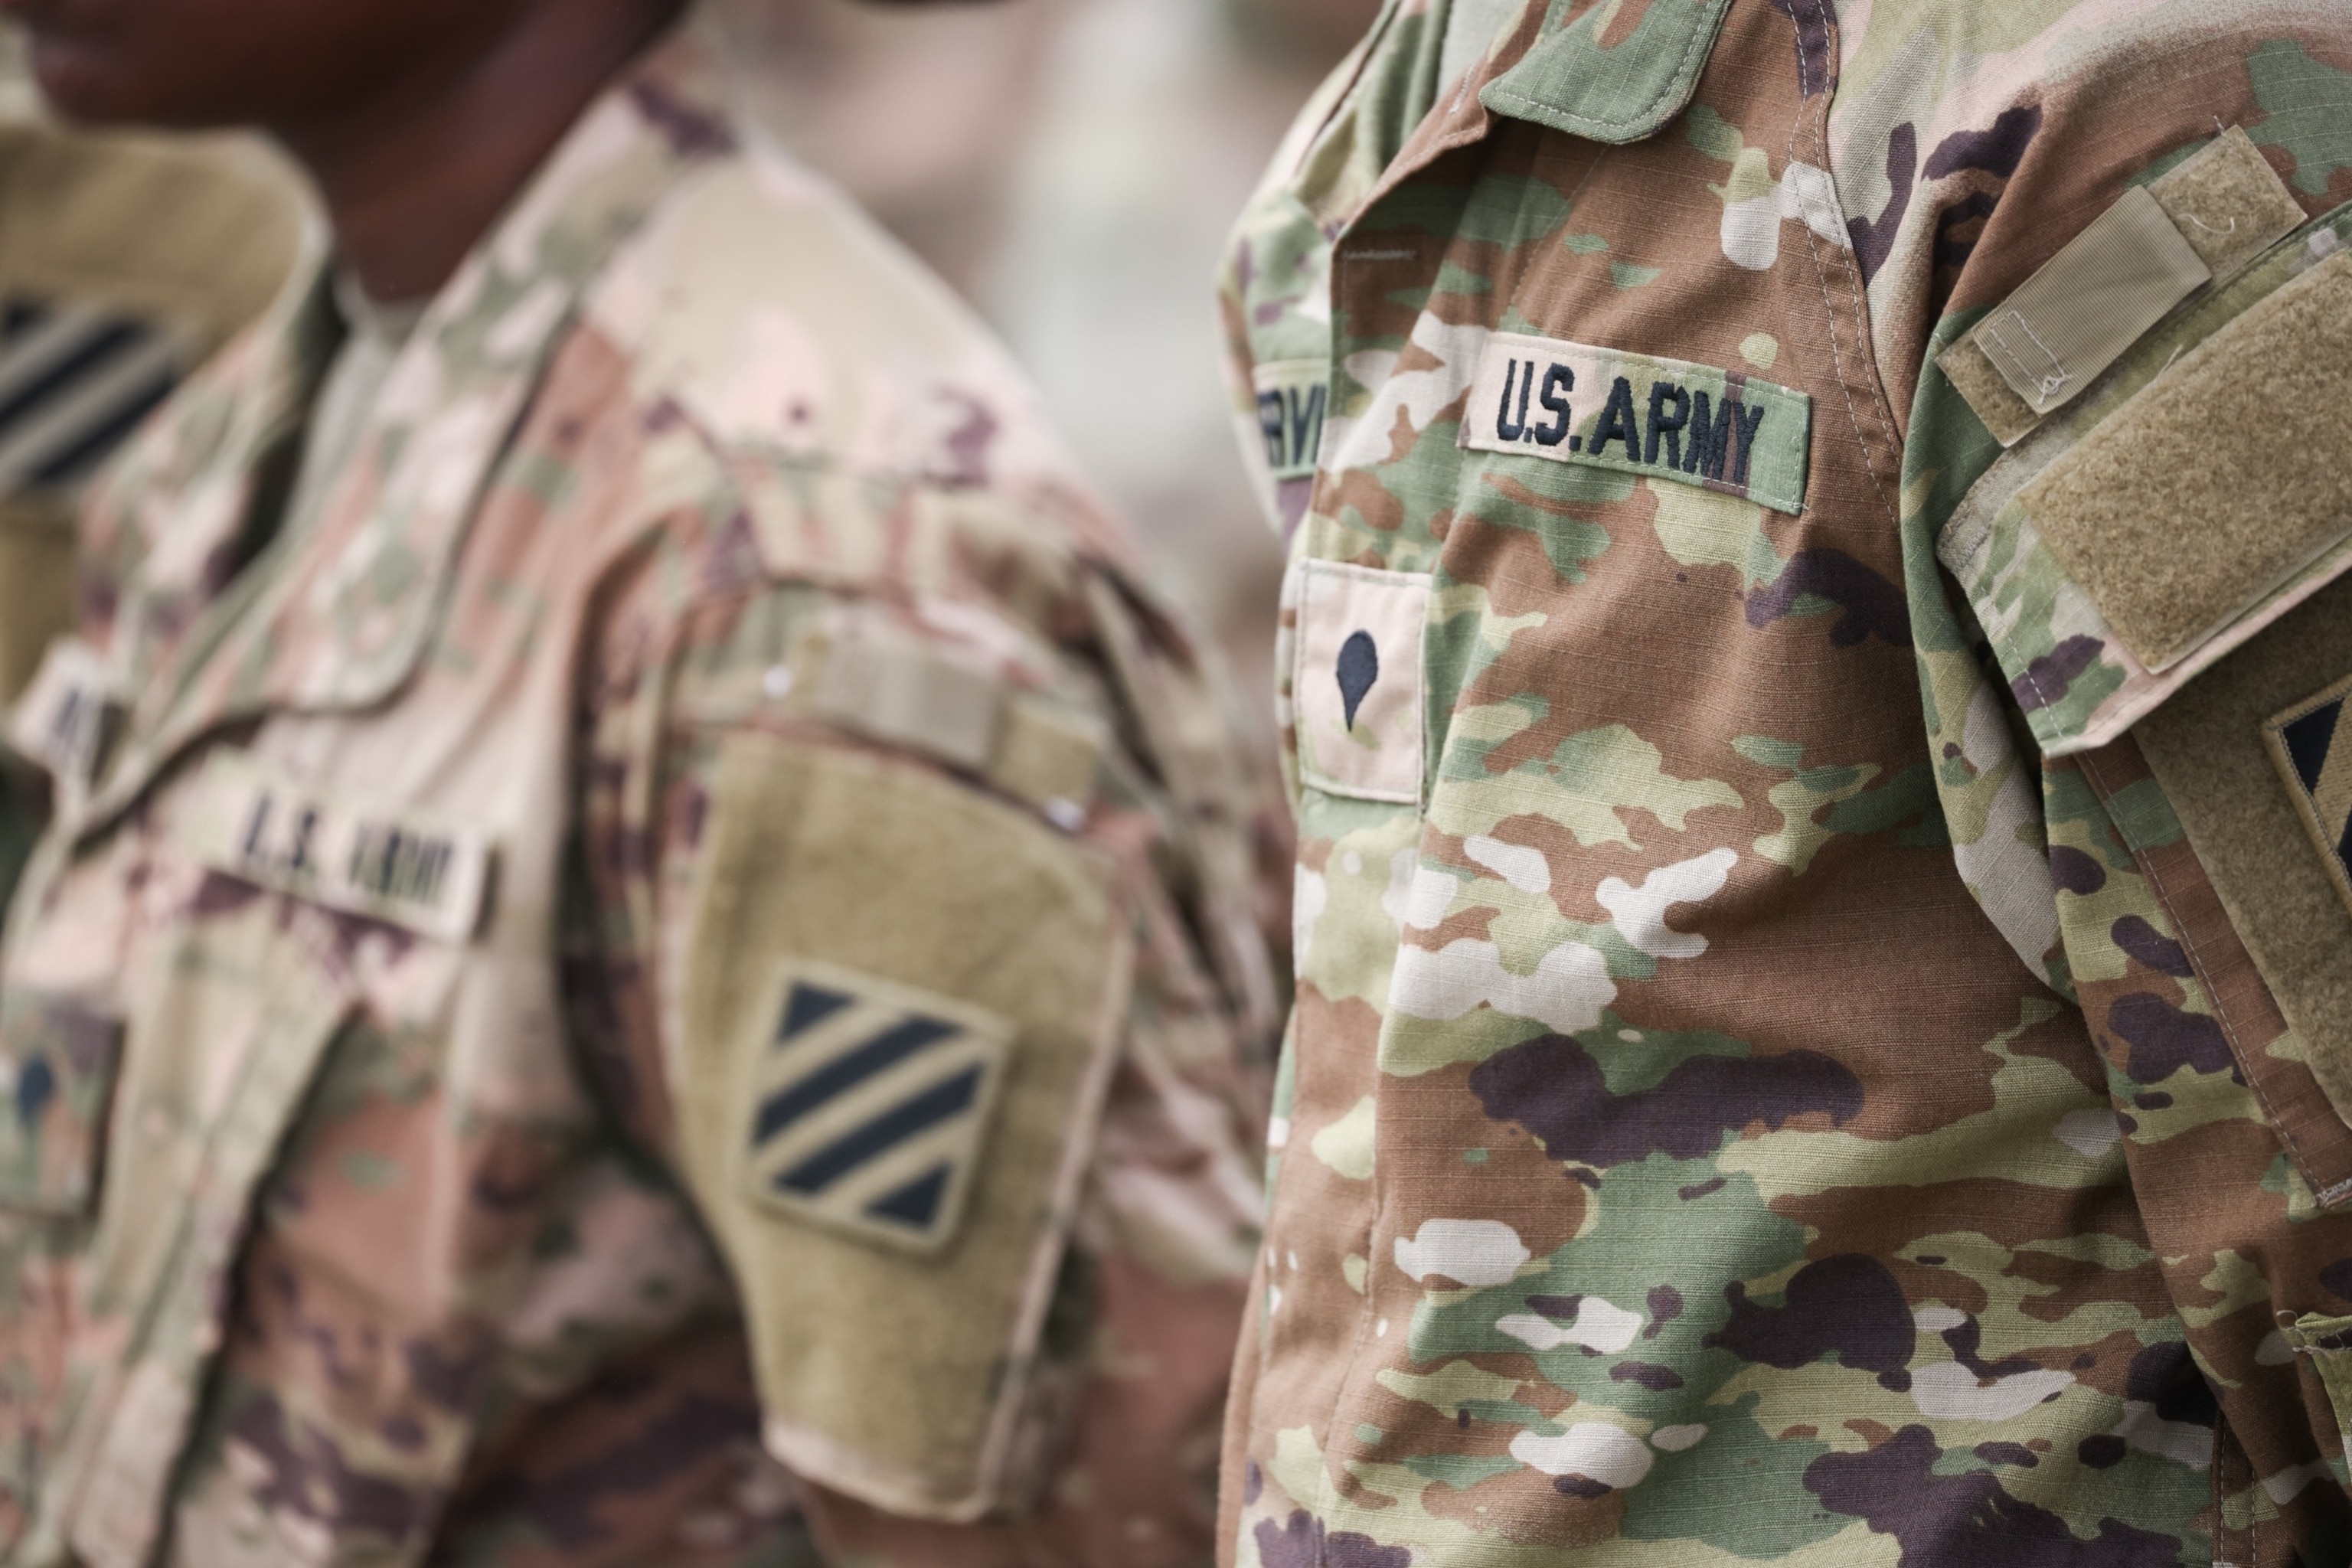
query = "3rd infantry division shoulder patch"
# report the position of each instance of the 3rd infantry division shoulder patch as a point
(870, 1104)
(2313, 749)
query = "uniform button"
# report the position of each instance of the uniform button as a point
(777, 682)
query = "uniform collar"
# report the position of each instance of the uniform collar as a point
(1589, 72)
(338, 620)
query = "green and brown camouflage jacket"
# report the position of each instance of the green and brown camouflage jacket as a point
(1816, 621)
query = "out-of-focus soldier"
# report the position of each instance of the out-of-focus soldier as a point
(1818, 641)
(125, 261)
(659, 938)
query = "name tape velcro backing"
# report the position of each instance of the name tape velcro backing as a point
(426, 875)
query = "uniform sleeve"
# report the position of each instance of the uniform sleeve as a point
(888, 942)
(2106, 282)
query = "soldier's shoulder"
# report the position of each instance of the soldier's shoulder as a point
(1962, 61)
(763, 306)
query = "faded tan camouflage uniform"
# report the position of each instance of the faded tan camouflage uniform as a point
(1816, 621)
(674, 956)
(124, 261)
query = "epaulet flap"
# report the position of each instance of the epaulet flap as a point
(1617, 91)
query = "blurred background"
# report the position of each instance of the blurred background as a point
(1072, 166)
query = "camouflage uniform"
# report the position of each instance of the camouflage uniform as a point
(124, 261)
(689, 914)
(1821, 1030)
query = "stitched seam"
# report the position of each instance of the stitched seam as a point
(1820, 277)
(2204, 973)
(1678, 82)
(1990, 337)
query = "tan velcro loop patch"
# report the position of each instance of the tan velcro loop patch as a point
(1050, 757)
(903, 692)
(966, 940)
(2228, 203)
(876, 680)
(2040, 348)
(2234, 767)
(2190, 504)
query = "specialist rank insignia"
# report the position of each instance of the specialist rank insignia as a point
(870, 1105)
(2313, 749)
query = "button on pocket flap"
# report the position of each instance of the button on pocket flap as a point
(2187, 500)
(60, 1059)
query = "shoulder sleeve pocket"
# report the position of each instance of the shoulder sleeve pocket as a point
(2161, 570)
(899, 1008)
(2192, 497)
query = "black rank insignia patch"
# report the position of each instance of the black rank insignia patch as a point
(2312, 745)
(870, 1105)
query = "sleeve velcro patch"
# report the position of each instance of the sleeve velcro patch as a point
(900, 1000)
(2185, 509)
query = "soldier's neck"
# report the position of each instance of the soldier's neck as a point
(415, 176)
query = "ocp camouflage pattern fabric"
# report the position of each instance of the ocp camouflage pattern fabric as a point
(341, 1213)
(1751, 1098)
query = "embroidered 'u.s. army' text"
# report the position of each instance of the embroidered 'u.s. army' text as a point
(427, 876)
(1573, 403)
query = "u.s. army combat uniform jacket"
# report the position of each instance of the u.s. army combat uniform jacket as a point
(690, 907)
(1816, 624)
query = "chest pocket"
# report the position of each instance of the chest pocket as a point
(225, 1035)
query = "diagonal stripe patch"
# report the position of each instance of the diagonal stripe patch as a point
(2312, 745)
(870, 1105)
(74, 383)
